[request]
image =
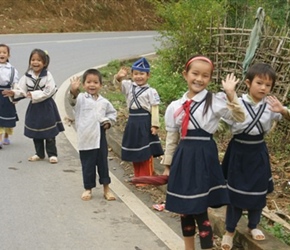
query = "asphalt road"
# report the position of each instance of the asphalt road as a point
(40, 205)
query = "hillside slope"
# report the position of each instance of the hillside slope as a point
(38, 16)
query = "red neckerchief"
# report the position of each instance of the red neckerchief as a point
(186, 107)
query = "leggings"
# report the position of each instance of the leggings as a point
(205, 231)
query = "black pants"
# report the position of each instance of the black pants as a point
(234, 214)
(95, 159)
(205, 231)
(50, 147)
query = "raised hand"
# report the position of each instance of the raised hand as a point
(229, 85)
(122, 73)
(275, 104)
(75, 83)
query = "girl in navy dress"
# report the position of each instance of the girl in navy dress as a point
(8, 77)
(196, 180)
(140, 141)
(246, 163)
(42, 120)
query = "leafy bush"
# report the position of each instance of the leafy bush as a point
(184, 32)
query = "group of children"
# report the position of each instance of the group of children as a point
(196, 179)
(42, 120)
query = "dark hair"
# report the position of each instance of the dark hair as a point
(92, 72)
(208, 98)
(262, 70)
(43, 55)
(7, 47)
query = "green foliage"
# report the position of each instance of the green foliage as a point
(276, 141)
(170, 85)
(184, 32)
(243, 12)
(278, 231)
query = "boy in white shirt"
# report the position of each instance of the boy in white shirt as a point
(94, 114)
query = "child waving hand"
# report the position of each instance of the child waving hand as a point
(246, 164)
(94, 114)
(140, 141)
(42, 120)
(196, 181)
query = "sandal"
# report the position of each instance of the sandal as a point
(227, 242)
(257, 234)
(109, 196)
(87, 195)
(53, 159)
(34, 158)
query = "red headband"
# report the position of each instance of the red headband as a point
(203, 58)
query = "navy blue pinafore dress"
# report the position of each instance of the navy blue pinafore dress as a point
(8, 114)
(246, 166)
(42, 119)
(196, 180)
(138, 143)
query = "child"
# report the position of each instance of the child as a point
(42, 120)
(140, 141)
(196, 181)
(246, 163)
(8, 77)
(93, 115)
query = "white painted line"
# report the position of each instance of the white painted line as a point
(149, 218)
(84, 40)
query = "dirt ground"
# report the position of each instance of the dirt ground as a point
(39, 16)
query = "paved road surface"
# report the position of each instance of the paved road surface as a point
(40, 204)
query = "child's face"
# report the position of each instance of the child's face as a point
(140, 77)
(198, 76)
(92, 84)
(36, 63)
(259, 87)
(4, 54)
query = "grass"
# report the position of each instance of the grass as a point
(276, 230)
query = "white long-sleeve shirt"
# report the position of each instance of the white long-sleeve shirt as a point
(25, 84)
(90, 113)
(266, 120)
(5, 74)
(220, 108)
